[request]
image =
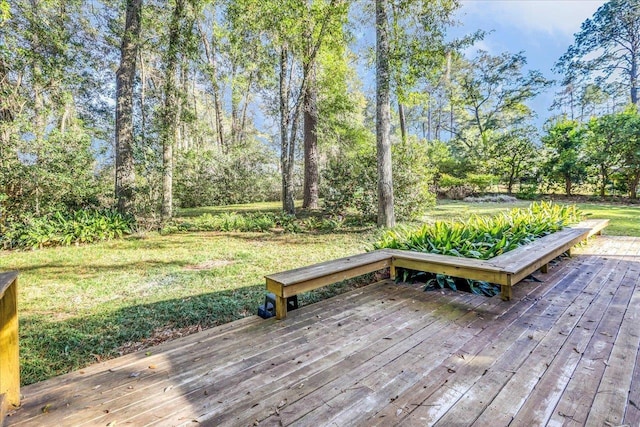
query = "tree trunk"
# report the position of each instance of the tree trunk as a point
(512, 178)
(567, 185)
(245, 105)
(170, 124)
(633, 185)
(634, 79)
(386, 216)
(403, 123)
(286, 146)
(212, 71)
(125, 76)
(311, 174)
(605, 177)
(236, 96)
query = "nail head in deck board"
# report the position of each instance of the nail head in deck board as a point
(9, 348)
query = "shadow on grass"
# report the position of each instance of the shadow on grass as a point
(56, 268)
(51, 347)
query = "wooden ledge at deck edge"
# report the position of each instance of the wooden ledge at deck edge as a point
(505, 270)
(9, 363)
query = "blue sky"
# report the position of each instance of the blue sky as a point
(543, 29)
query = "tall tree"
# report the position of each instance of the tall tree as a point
(607, 47)
(630, 149)
(564, 141)
(125, 78)
(490, 96)
(419, 49)
(169, 125)
(604, 141)
(514, 153)
(386, 215)
(286, 26)
(311, 184)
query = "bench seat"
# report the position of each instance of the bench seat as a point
(298, 280)
(505, 270)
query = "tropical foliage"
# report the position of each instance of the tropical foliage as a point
(479, 237)
(64, 229)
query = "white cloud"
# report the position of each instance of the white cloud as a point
(555, 17)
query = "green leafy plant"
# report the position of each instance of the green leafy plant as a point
(479, 237)
(254, 222)
(64, 229)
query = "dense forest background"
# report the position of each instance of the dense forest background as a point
(144, 105)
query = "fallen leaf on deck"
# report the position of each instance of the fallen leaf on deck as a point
(152, 366)
(45, 408)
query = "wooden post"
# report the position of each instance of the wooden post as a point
(281, 307)
(9, 363)
(505, 292)
(392, 271)
(544, 269)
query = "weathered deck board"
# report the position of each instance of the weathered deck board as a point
(563, 351)
(480, 380)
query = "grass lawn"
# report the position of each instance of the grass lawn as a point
(81, 304)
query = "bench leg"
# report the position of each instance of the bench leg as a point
(505, 292)
(392, 272)
(281, 307)
(544, 269)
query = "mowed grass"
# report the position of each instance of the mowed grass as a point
(79, 305)
(624, 219)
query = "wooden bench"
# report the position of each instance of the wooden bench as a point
(524, 260)
(505, 270)
(9, 364)
(296, 281)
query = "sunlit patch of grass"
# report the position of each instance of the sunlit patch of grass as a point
(624, 220)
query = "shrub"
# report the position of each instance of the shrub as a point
(211, 178)
(63, 229)
(453, 187)
(528, 192)
(480, 182)
(499, 198)
(351, 183)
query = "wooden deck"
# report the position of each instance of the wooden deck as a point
(562, 352)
